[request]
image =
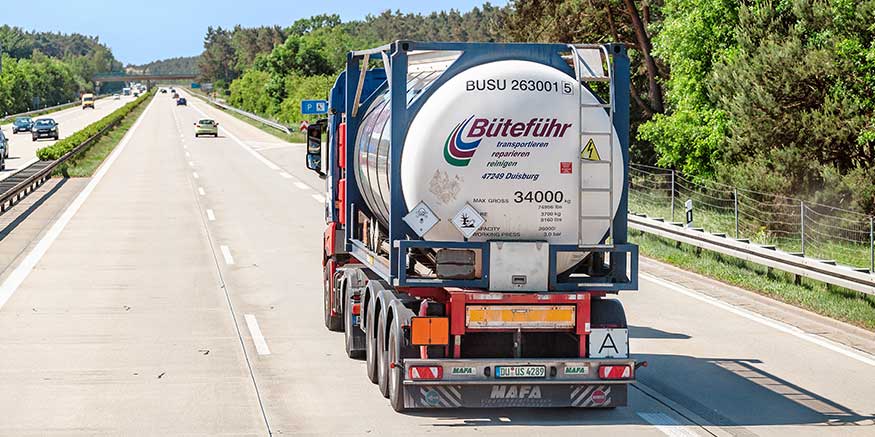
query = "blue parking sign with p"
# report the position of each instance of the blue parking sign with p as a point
(310, 107)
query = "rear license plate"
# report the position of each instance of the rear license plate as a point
(520, 371)
(355, 320)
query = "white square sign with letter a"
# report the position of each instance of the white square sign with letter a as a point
(609, 343)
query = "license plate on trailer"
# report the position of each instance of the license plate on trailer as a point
(520, 371)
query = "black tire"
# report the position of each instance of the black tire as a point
(396, 375)
(348, 330)
(607, 313)
(371, 349)
(215, 135)
(382, 360)
(333, 323)
(196, 135)
(56, 138)
(34, 139)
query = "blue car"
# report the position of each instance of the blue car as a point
(181, 102)
(22, 124)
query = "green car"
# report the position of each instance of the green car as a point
(206, 127)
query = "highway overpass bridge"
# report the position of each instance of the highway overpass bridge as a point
(101, 78)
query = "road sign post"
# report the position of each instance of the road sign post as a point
(689, 213)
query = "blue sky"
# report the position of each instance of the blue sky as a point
(167, 28)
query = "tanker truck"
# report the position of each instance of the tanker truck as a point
(476, 238)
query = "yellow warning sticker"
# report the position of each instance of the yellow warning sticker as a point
(590, 152)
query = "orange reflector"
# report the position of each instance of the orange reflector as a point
(426, 331)
(426, 372)
(520, 316)
(356, 309)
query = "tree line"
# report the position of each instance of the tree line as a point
(775, 96)
(43, 68)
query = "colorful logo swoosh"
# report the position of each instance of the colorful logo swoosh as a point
(457, 151)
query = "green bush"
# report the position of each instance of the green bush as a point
(65, 145)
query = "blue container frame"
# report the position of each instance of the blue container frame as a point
(471, 55)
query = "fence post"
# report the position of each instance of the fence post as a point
(871, 244)
(802, 224)
(735, 198)
(672, 195)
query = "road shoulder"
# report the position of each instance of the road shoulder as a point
(807, 321)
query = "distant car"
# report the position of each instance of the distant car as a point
(163, 90)
(136, 94)
(181, 102)
(116, 97)
(174, 95)
(22, 124)
(206, 127)
(45, 128)
(4, 153)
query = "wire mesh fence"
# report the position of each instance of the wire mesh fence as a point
(792, 225)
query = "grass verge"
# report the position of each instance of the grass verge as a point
(835, 302)
(87, 162)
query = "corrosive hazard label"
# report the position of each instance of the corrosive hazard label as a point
(590, 152)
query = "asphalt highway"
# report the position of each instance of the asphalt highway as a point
(179, 292)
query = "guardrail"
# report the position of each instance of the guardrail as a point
(265, 121)
(48, 108)
(767, 255)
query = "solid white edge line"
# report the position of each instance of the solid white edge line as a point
(211, 216)
(285, 175)
(302, 186)
(318, 198)
(665, 424)
(21, 272)
(245, 147)
(226, 253)
(763, 320)
(200, 190)
(257, 337)
(195, 175)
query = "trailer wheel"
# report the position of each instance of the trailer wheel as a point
(371, 348)
(332, 322)
(607, 313)
(348, 334)
(382, 359)
(396, 374)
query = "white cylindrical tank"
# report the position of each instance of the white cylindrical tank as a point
(504, 138)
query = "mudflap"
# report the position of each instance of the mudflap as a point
(516, 395)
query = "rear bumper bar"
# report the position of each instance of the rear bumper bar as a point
(472, 384)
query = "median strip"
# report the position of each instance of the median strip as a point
(91, 145)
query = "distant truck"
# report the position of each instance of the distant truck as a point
(126, 91)
(87, 101)
(477, 222)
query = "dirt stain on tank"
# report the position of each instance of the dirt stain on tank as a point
(444, 187)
